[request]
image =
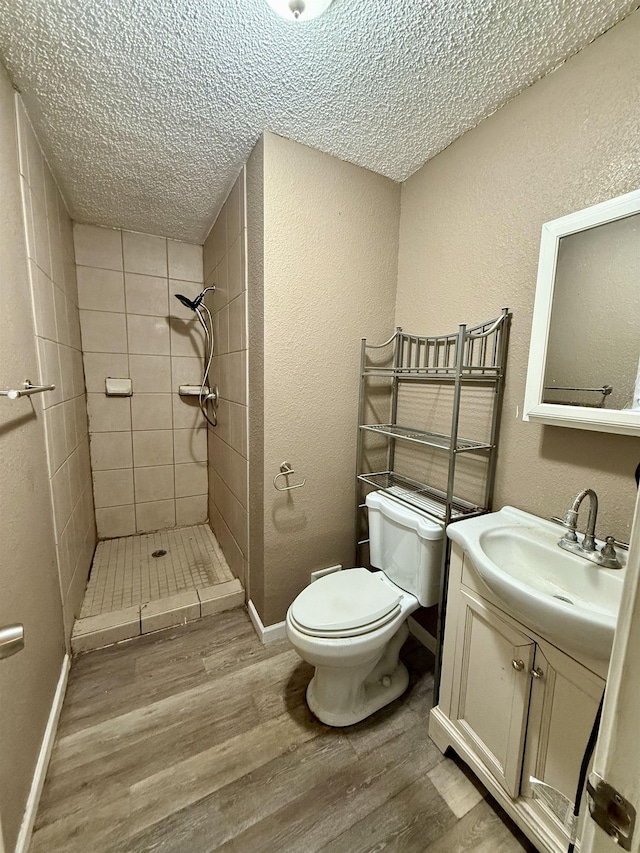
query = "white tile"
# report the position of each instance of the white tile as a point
(152, 447)
(190, 445)
(100, 290)
(185, 261)
(61, 498)
(27, 212)
(113, 488)
(235, 268)
(144, 253)
(237, 337)
(186, 412)
(98, 365)
(35, 162)
(173, 610)
(103, 331)
(146, 294)
(98, 247)
(150, 373)
(186, 370)
(95, 632)
(41, 234)
(62, 323)
(22, 123)
(108, 414)
(192, 510)
(56, 437)
(191, 479)
(154, 483)
(234, 205)
(148, 335)
(151, 411)
(50, 374)
(187, 338)
(116, 521)
(110, 450)
(43, 303)
(221, 597)
(156, 515)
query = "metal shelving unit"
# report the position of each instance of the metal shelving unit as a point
(472, 357)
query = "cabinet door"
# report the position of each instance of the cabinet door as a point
(492, 681)
(564, 702)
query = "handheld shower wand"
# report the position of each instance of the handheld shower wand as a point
(207, 394)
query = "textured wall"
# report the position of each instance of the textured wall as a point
(148, 451)
(29, 582)
(469, 242)
(174, 100)
(225, 267)
(330, 255)
(54, 294)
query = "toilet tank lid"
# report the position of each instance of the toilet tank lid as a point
(343, 600)
(425, 526)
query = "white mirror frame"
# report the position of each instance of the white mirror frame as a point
(622, 421)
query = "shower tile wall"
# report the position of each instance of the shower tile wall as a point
(148, 451)
(49, 239)
(225, 266)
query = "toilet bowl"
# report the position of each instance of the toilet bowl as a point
(351, 625)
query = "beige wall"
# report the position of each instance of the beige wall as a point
(148, 451)
(54, 295)
(225, 267)
(29, 581)
(469, 242)
(330, 255)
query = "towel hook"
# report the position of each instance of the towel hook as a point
(285, 470)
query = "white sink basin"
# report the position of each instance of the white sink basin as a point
(568, 600)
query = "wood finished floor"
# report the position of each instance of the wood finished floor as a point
(198, 739)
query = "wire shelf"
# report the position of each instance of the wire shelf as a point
(430, 439)
(425, 498)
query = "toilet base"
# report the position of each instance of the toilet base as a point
(370, 698)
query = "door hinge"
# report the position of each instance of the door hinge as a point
(611, 811)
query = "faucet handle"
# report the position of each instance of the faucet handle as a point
(608, 550)
(570, 522)
(608, 554)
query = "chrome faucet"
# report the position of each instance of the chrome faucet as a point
(605, 557)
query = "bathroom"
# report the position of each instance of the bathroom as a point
(332, 252)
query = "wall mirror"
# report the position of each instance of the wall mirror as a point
(584, 369)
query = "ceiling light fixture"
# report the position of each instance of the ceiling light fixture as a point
(300, 10)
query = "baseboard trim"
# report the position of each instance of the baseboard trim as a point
(266, 633)
(29, 817)
(422, 635)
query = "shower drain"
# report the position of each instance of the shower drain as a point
(562, 598)
(159, 553)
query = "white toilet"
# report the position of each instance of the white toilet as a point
(351, 624)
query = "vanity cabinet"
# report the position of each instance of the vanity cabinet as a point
(512, 705)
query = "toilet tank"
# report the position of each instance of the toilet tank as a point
(407, 545)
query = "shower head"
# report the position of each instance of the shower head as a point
(193, 304)
(189, 303)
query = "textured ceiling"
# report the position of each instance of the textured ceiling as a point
(147, 109)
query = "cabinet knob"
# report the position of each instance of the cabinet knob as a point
(518, 665)
(537, 673)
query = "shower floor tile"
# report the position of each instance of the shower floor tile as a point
(131, 592)
(125, 572)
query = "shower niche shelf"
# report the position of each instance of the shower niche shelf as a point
(431, 378)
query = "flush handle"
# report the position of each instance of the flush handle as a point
(11, 640)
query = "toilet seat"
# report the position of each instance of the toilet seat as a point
(345, 604)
